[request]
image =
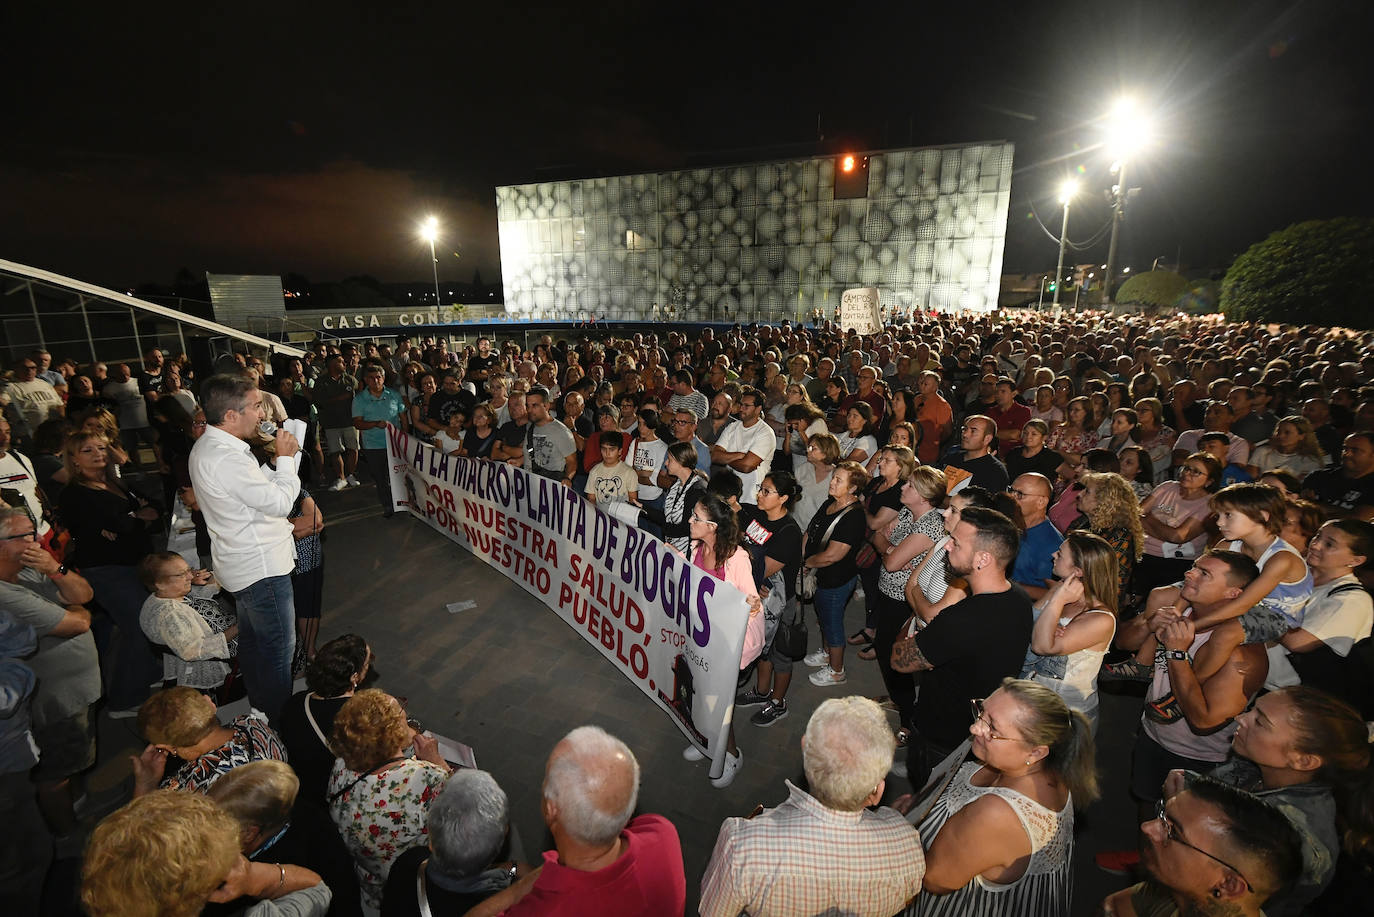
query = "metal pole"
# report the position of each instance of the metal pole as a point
(1041, 304)
(434, 262)
(1059, 269)
(86, 319)
(1118, 214)
(37, 321)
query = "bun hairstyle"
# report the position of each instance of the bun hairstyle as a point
(785, 483)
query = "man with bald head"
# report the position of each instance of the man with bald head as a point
(606, 863)
(1035, 560)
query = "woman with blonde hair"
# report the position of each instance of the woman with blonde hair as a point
(1076, 435)
(169, 854)
(1293, 448)
(1036, 756)
(182, 723)
(1113, 513)
(1075, 622)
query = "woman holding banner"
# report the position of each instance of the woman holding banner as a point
(715, 533)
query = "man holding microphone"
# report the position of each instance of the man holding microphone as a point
(245, 507)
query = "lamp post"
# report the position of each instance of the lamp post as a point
(1066, 193)
(1128, 133)
(429, 231)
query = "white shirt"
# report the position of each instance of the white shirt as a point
(1340, 621)
(648, 455)
(759, 440)
(16, 471)
(245, 507)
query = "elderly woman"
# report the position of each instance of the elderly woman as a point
(109, 527)
(1011, 857)
(183, 615)
(469, 823)
(261, 797)
(833, 537)
(171, 853)
(379, 794)
(822, 455)
(181, 723)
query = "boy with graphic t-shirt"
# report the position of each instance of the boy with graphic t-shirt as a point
(611, 480)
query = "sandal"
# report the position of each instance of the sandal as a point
(868, 652)
(860, 637)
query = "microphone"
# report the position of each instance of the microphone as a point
(267, 428)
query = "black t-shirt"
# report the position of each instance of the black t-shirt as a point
(877, 501)
(851, 530)
(476, 445)
(512, 434)
(972, 645)
(478, 363)
(988, 471)
(779, 539)
(1332, 487)
(1045, 462)
(443, 404)
(150, 382)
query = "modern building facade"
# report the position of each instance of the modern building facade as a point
(762, 241)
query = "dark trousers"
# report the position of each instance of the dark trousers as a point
(378, 463)
(901, 686)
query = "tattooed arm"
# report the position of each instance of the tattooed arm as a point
(907, 657)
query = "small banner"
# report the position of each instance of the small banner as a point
(859, 311)
(675, 631)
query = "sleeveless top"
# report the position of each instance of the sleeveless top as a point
(1046, 887)
(892, 583)
(932, 579)
(1177, 736)
(1073, 676)
(1287, 599)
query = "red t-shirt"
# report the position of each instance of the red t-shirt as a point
(646, 881)
(1013, 418)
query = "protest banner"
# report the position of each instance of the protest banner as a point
(673, 630)
(859, 310)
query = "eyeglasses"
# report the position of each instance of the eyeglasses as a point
(700, 521)
(182, 574)
(1189, 470)
(761, 490)
(20, 535)
(980, 715)
(683, 423)
(1171, 835)
(1019, 494)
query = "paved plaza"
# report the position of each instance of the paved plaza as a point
(509, 678)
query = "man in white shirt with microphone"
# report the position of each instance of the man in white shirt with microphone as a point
(245, 507)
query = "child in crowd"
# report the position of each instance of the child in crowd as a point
(182, 615)
(1217, 445)
(612, 480)
(449, 440)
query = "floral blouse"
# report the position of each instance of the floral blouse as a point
(253, 740)
(1063, 441)
(381, 816)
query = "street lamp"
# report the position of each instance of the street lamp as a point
(1066, 192)
(1128, 131)
(429, 231)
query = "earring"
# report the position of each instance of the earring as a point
(1216, 893)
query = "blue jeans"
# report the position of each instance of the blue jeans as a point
(830, 605)
(130, 664)
(267, 640)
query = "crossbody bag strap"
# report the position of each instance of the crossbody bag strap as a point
(359, 779)
(314, 725)
(834, 522)
(421, 897)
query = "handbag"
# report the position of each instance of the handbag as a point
(790, 639)
(806, 577)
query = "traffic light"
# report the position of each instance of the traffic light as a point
(851, 176)
(1054, 285)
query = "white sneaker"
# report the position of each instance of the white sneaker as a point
(338, 485)
(353, 482)
(732, 765)
(817, 658)
(828, 677)
(692, 753)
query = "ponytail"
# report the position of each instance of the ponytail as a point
(1067, 733)
(1336, 733)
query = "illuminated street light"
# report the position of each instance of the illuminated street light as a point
(1066, 192)
(429, 231)
(847, 164)
(1128, 132)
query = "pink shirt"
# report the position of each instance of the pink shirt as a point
(738, 572)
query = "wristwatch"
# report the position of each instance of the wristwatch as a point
(1181, 655)
(61, 570)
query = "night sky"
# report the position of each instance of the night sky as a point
(276, 138)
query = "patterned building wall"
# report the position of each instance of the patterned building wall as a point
(759, 242)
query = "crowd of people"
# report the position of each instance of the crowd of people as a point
(1023, 508)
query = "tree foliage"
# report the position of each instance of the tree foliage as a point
(1317, 272)
(1152, 289)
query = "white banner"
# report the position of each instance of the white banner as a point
(859, 310)
(673, 630)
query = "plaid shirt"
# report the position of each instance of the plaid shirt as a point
(804, 858)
